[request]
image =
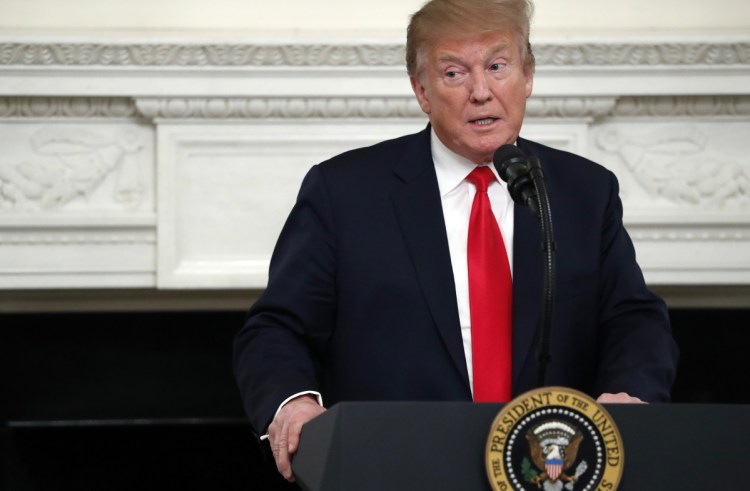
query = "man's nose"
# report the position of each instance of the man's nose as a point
(480, 89)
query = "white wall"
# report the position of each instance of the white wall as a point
(384, 18)
(180, 111)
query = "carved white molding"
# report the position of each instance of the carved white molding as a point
(194, 69)
(355, 107)
(702, 253)
(67, 107)
(58, 252)
(569, 107)
(66, 237)
(260, 107)
(649, 54)
(721, 231)
(208, 55)
(213, 55)
(678, 106)
(212, 123)
(352, 107)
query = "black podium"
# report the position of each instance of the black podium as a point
(440, 446)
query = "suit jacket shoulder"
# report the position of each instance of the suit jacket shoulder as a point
(406, 156)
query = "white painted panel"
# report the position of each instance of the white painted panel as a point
(226, 190)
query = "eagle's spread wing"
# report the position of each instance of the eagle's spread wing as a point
(536, 450)
(571, 450)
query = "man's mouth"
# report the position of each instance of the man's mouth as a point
(484, 121)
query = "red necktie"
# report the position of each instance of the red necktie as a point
(490, 297)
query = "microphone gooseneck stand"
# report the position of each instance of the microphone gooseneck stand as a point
(548, 250)
(525, 180)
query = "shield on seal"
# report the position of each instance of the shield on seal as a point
(554, 468)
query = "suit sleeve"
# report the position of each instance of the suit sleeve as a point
(637, 352)
(277, 351)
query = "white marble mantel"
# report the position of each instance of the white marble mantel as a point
(170, 166)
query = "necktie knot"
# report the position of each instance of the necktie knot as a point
(481, 177)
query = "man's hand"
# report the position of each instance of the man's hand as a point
(619, 398)
(284, 430)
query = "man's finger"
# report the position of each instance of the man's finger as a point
(619, 398)
(293, 437)
(283, 462)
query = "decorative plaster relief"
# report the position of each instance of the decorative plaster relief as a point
(351, 107)
(316, 55)
(569, 107)
(690, 233)
(598, 108)
(67, 107)
(86, 167)
(598, 54)
(72, 166)
(76, 237)
(88, 54)
(274, 107)
(692, 166)
(665, 106)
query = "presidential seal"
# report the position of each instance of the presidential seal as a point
(554, 439)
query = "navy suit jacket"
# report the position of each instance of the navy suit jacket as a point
(361, 302)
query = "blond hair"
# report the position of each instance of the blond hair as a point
(440, 18)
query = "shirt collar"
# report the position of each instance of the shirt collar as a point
(451, 168)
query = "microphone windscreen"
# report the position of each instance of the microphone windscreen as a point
(505, 153)
(504, 156)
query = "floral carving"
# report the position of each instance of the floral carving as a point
(672, 163)
(313, 55)
(69, 163)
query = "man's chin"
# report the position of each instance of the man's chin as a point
(487, 147)
(485, 153)
(479, 150)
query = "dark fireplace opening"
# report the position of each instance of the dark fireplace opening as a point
(119, 365)
(125, 400)
(147, 400)
(713, 352)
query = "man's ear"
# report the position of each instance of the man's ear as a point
(529, 83)
(419, 91)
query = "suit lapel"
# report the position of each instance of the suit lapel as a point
(420, 215)
(527, 284)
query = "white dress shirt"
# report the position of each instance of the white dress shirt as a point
(457, 196)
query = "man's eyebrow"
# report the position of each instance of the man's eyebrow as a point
(450, 57)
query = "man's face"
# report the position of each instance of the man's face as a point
(474, 90)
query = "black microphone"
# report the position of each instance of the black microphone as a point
(514, 167)
(526, 186)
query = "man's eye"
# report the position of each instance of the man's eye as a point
(495, 67)
(451, 74)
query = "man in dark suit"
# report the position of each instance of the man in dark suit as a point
(368, 295)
